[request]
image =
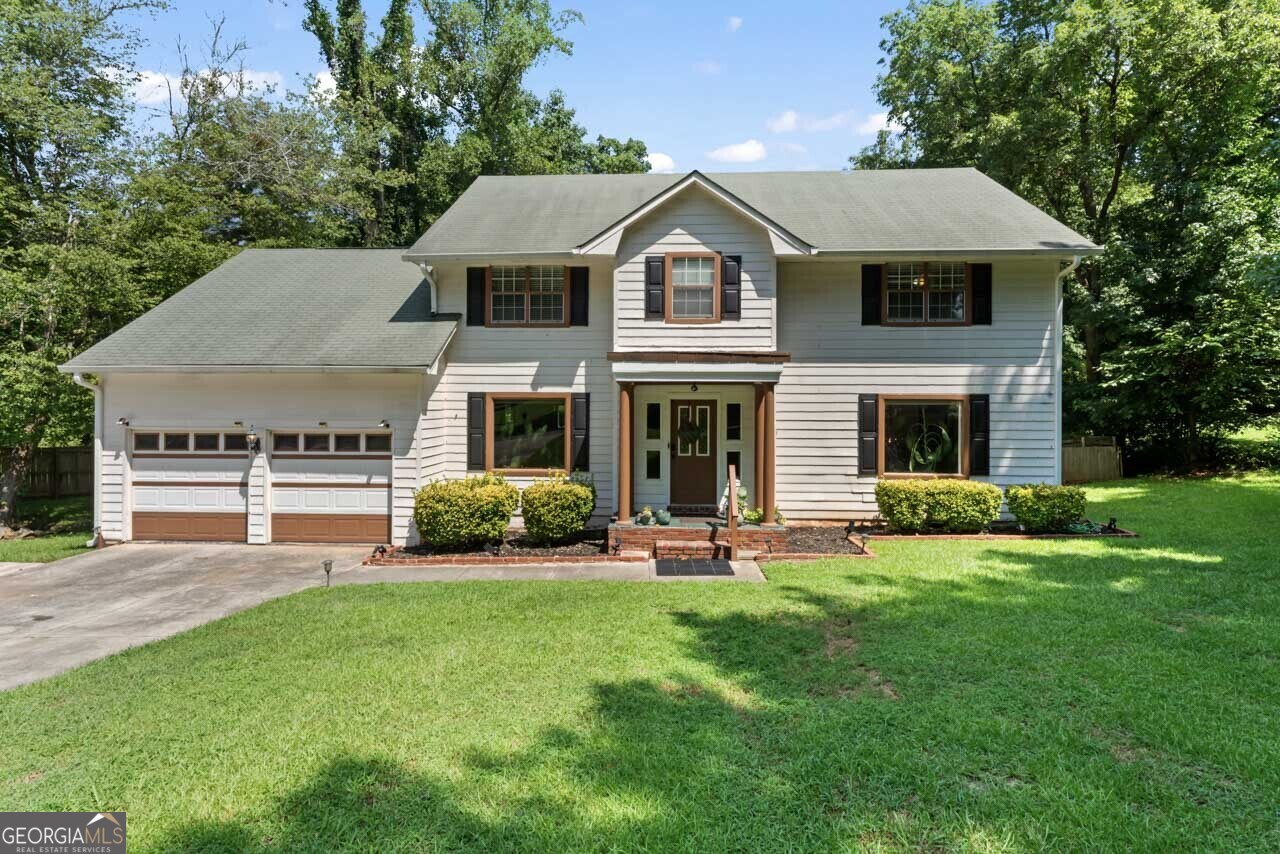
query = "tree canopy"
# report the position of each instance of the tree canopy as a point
(1151, 128)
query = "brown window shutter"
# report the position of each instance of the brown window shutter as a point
(475, 431)
(980, 277)
(579, 289)
(868, 434)
(871, 281)
(980, 434)
(581, 445)
(655, 287)
(731, 288)
(475, 296)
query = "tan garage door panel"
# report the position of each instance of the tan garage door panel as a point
(330, 528)
(191, 527)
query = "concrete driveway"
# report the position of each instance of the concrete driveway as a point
(57, 616)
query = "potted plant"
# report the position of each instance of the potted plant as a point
(645, 516)
(663, 517)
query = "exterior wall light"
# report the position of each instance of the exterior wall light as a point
(251, 440)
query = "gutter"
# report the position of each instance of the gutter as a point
(246, 369)
(1059, 326)
(96, 388)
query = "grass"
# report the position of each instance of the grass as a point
(979, 695)
(67, 521)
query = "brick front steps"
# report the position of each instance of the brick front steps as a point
(694, 539)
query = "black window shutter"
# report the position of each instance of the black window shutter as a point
(475, 296)
(868, 434)
(578, 289)
(871, 279)
(731, 288)
(581, 446)
(980, 278)
(655, 286)
(979, 434)
(475, 432)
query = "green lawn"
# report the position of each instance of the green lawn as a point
(976, 695)
(67, 521)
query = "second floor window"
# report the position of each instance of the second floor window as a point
(527, 296)
(919, 293)
(693, 287)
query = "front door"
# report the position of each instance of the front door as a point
(693, 452)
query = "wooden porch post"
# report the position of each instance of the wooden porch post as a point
(625, 454)
(759, 446)
(770, 517)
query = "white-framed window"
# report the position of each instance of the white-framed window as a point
(693, 287)
(188, 442)
(319, 443)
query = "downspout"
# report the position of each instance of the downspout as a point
(1057, 362)
(79, 380)
(429, 273)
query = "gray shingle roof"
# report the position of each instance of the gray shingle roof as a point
(893, 210)
(287, 308)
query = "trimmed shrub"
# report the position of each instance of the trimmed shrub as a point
(1043, 508)
(955, 506)
(556, 509)
(469, 512)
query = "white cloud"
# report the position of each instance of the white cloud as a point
(734, 23)
(262, 79)
(875, 123)
(325, 84)
(793, 148)
(789, 121)
(751, 151)
(152, 87)
(659, 162)
(708, 66)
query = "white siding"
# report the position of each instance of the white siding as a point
(834, 359)
(695, 221)
(563, 359)
(267, 402)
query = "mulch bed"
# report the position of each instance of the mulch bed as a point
(825, 539)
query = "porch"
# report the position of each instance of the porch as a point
(684, 420)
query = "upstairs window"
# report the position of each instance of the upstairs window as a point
(694, 288)
(527, 296)
(919, 293)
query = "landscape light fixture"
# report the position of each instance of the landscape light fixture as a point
(328, 568)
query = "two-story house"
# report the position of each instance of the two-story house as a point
(818, 331)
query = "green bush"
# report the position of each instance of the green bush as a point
(1043, 508)
(955, 506)
(556, 509)
(469, 512)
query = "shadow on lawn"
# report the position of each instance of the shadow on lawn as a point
(910, 721)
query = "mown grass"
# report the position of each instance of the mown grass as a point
(67, 524)
(983, 695)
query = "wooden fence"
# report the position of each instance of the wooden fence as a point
(1089, 458)
(59, 473)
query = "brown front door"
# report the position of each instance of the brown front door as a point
(693, 452)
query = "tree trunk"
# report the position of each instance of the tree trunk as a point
(16, 464)
(1191, 449)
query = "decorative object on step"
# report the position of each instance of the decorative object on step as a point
(645, 516)
(662, 517)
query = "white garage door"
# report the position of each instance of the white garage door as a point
(190, 486)
(331, 488)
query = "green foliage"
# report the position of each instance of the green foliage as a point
(556, 509)
(1150, 128)
(1046, 508)
(468, 512)
(955, 506)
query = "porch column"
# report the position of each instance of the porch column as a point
(759, 447)
(770, 517)
(625, 455)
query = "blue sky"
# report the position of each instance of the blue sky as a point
(711, 86)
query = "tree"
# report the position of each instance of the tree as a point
(1117, 116)
(62, 114)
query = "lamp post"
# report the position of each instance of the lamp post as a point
(328, 568)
